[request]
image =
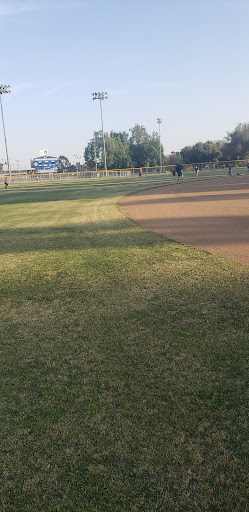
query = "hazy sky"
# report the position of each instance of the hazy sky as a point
(185, 61)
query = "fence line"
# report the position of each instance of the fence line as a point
(130, 171)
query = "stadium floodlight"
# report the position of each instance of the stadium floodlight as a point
(159, 121)
(5, 89)
(101, 96)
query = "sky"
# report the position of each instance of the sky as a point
(184, 61)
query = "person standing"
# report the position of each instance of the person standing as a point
(179, 170)
(6, 182)
(140, 172)
(196, 170)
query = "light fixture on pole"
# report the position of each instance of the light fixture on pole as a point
(5, 89)
(101, 96)
(159, 121)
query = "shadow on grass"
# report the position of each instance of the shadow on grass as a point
(101, 234)
(124, 233)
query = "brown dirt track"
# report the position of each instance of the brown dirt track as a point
(210, 214)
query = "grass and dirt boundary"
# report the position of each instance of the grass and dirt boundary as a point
(124, 359)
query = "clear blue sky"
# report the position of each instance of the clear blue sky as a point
(185, 61)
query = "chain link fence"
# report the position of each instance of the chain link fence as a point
(26, 177)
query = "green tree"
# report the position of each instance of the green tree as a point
(122, 151)
(174, 158)
(94, 152)
(117, 150)
(212, 151)
(144, 148)
(236, 145)
(202, 152)
(63, 163)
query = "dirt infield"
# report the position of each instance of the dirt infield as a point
(210, 214)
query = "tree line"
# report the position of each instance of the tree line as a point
(235, 146)
(137, 148)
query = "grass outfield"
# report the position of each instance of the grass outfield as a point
(124, 358)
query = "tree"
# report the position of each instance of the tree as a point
(63, 163)
(212, 151)
(202, 152)
(122, 151)
(144, 148)
(175, 158)
(236, 144)
(94, 153)
(117, 150)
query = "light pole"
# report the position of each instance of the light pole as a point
(159, 121)
(5, 89)
(101, 96)
(77, 161)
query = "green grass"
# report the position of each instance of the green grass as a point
(124, 359)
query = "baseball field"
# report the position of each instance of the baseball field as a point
(124, 348)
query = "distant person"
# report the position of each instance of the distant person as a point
(37, 179)
(230, 172)
(6, 182)
(179, 171)
(140, 172)
(196, 170)
(248, 167)
(174, 172)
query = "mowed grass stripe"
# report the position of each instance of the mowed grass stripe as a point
(124, 360)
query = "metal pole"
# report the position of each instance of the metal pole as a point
(95, 155)
(103, 135)
(6, 147)
(101, 96)
(159, 122)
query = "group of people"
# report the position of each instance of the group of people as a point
(179, 171)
